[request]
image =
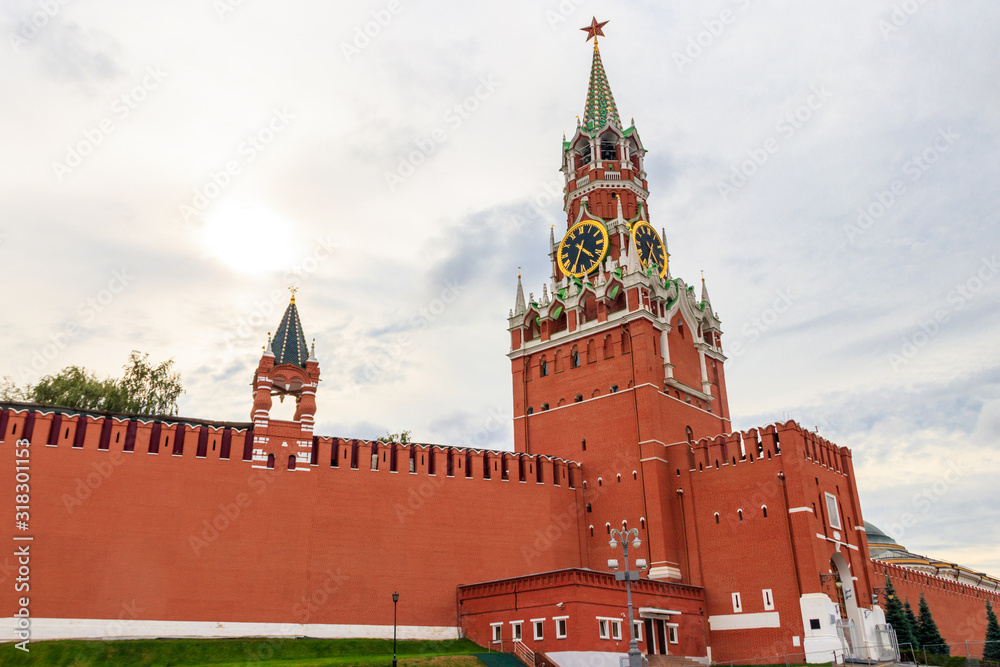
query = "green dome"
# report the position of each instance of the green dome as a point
(876, 536)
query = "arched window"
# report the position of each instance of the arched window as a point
(608, 349)
(574, 358)
(591, 352)
(626, 347)
(763, 508)
(607, 527)
(689, 434)
(545, 406)
(578, 398)
(531, 411)
(591, 531)
(716, 517)
(740, 512)
(608, 150)
(291, 462)
(270, 461)
(543, 368)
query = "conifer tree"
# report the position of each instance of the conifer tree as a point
(895, 616)
(912, 620)
(928, 636)
(991, 651)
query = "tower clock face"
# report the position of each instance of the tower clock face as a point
(650, 247)
(583, 248)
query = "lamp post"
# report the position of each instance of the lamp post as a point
(634, 657)
(395, 599)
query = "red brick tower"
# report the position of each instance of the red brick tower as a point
(286, 369)
(618, 365)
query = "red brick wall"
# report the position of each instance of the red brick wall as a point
(183, 538)
(585, 597)
(959, 610)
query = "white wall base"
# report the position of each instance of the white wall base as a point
(80, 628)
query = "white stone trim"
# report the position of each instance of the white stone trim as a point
(768, 619)
(81, 628)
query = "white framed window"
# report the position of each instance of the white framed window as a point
(672, 633)
(538, 625)
(637, 628)
(561, 626)
(737, 603)
(616, 629)
(515, 630)
(497, 630)
(602, 627)
(832, 511)
(768, 599)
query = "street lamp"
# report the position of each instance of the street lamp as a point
(634, 657)
(395, 599)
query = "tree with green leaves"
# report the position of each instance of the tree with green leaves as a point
(991, 651)
(895, 616)
(400, 438)
(928, 636)
(144, 388)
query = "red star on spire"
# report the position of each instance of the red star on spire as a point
(594, 29)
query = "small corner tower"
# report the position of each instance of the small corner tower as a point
(287, 369)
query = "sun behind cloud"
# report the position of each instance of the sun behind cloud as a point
(249, 237)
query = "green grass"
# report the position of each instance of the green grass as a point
(259, 652)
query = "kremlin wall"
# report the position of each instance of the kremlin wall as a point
(754, 542)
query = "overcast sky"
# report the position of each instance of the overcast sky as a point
(167, 170)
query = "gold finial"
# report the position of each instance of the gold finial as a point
(293, 290)
(519, 268)
(703, 275)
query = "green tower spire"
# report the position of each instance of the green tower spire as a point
(600, 109)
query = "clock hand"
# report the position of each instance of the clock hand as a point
(579, 249)
(590, 254)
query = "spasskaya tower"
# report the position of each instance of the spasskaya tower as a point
(618, 364)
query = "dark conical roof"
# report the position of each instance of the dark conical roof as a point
(289, 344)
